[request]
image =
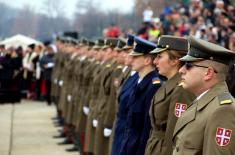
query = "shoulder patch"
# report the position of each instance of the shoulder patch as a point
(156, 81)
(225, 98)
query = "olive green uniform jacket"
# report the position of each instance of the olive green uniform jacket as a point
(90, 130)
(170, 101)
(208, 125)
(101, 143)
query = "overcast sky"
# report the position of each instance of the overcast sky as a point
(122, 5)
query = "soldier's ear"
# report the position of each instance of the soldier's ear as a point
(148, 60)
(209, 74)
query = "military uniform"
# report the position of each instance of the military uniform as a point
(170, 101)
(89, 109)
(121, 116)
(164, 113)
(102, 142)
(122, 98)
(207, 126)
(138, 122)
(90, 130)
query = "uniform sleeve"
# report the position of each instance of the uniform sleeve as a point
(219, 136)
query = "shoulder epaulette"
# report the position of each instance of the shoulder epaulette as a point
(225, 98)
(108, 65)
(156, 80)
(119, 67)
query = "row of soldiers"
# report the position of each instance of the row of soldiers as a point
(87, 78)
(125, 97)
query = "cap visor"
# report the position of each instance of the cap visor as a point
(190, 58)
(133, 53)
(127, 47)
(158, 50)
(105, 46)
(96, 47)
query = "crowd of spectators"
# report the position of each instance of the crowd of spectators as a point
(213, 21)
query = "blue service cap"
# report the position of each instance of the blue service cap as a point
(130, 42)
(142, 47)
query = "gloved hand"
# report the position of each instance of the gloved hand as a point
(61, 82)
(107, 132)
(94, 123)
(86, 110)
(69, 98)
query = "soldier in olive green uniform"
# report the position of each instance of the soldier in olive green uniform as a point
(85, 95)
(207, 126)
(90, 111)
(70, 86)
(117, 78)
(55, 72)
(171, 100)
(101, 142)
(65, 97)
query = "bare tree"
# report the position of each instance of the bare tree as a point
(53, 9)
(25, 22)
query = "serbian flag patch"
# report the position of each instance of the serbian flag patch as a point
(223, 136)
(179, 109)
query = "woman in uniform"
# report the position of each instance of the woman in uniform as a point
(171, 100)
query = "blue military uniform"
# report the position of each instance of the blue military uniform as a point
(121, 117)
(123, 97)
(138, 122)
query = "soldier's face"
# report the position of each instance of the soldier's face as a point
(138, 63)
(128, 60)
(192, 77)
(164, 65)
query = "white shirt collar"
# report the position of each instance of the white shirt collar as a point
(132, 73)
(200, 96)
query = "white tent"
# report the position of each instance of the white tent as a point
(19, 40)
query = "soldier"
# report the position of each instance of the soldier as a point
(171, 99)
(123, 97)
(89, 110)
(84, 93)
(65, 84)
(101, 142)
(138, 121)
(117, 78)
(207, 126)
